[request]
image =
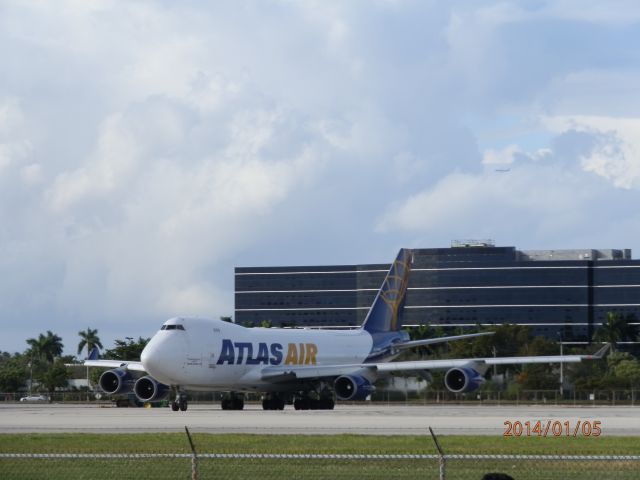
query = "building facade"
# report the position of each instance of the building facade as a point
(558, 293)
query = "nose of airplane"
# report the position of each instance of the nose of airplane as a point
(151, 356)
(163, 357)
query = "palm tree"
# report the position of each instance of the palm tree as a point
(89, 338)
(421, 332)
(46, 347)
(616, 328)
(631, 328)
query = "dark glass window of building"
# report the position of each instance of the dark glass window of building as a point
(555, 292)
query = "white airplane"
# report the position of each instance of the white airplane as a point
(300, 366)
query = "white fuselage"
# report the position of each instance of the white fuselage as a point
(206, 354)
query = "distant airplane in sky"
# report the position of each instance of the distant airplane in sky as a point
(306, 367)
(502, 170)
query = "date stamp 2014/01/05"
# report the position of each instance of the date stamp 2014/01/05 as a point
(552, 428)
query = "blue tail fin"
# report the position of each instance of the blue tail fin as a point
(386, 311)
(94, 354)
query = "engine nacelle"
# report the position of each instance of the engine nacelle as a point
(352, 387)
(116, 381)
(148, 389)
(462, 380)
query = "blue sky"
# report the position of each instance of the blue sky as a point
(147, 148)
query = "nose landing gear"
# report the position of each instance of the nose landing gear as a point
(180, 403)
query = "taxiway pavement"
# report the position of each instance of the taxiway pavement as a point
(376, 419)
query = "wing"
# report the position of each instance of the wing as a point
(288, 373)
(134, 366)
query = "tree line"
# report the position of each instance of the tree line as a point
(41, 367)
(620, 369)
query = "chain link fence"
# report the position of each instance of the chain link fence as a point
(424, 397)
(528, 397)
(308, 466)
(197, 465)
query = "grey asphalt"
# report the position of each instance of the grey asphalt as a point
(379, 419)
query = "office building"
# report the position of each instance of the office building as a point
(563, 293)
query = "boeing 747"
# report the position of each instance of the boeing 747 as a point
(305, 367)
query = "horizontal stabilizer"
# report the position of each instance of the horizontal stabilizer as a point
(600, 353)
(431, 341)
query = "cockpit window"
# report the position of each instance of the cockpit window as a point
(172, 327)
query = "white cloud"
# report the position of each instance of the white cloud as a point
(504, 156)
(32, 174)
(512, 153)
(147, 148)
(624, 13)
(175, 216)
(492, 202)
(547, 196)
(113, 163)
(14, 144)
(616, 153)
(195, 299)
(595, 92)
(10, 116)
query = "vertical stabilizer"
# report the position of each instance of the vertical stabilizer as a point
(386, 312)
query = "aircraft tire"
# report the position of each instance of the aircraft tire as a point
(238, 404)
(174, 406)
(183, 406)
(273, 403)
(326, 404)
(303, 403)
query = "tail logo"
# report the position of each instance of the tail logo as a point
(394, 288)
(385, 314)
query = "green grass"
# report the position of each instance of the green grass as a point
(366, 444)
(137, 469)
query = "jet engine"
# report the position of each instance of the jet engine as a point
(116, 381)
(148, 389)
(463, 380)
(352, 387)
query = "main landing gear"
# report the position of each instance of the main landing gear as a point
(273, 401)
(304, 402)
(180, 403)
(233, 401)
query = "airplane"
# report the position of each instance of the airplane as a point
(308, 368)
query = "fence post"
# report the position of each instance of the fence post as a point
(441, 457)
(194, 458)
